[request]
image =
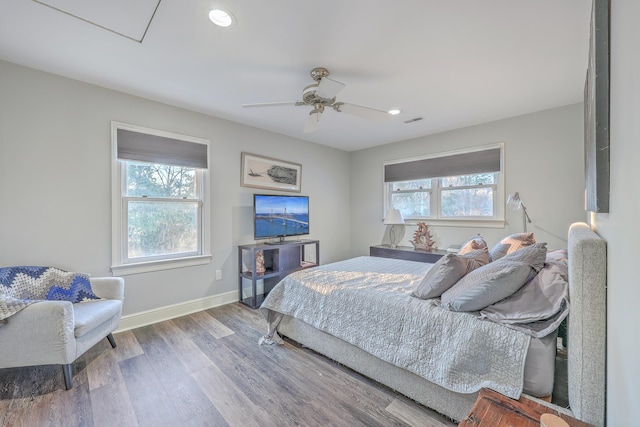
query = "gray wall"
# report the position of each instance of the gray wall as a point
(55, 183)
(621, 226)
(544, 163)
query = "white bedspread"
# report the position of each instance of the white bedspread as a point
(366, 301)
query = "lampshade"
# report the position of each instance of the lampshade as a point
(394, 217)
(514, 202)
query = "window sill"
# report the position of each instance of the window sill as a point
(494, 223)
(165, 264)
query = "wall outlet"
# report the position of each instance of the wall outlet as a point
(218, 274)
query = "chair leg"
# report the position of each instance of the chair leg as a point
(112, 341)
(66, 370)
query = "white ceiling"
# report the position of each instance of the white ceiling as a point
(454, 63)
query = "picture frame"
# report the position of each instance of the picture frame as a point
(270, 174)
(596, 112)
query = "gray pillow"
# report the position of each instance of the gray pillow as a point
(495, 281)
(447, 271)
(540, 299)
(511, 244)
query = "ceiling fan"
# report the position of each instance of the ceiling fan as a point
(322, 94)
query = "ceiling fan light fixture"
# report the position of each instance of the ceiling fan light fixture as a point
(317, 109)
(394, 111)
(322, 94)
(221, 18)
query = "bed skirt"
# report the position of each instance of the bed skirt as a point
(453, 405)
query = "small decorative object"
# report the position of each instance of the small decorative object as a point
(260, 269)
(422, 237)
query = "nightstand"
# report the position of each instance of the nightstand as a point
(406, 252)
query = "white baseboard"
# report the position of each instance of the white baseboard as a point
(156, 315)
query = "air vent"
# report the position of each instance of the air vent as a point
(415, 119)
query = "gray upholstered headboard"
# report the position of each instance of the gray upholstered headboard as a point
(587, 324)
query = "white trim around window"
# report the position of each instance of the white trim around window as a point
(120, 264)
(497, 220)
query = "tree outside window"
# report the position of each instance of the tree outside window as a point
(162, 210)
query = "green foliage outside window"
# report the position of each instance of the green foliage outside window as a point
(165, 226)
(156, 180)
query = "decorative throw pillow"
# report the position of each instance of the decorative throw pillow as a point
(475, 243)
(539, 299)
(495, 281)
(511, 244)
(447, 271)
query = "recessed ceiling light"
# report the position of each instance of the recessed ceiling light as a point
(221, 18)
(394, 112)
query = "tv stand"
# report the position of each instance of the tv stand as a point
(277, 241)
(281, 241)
(280, 260)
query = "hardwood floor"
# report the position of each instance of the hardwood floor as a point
(204, 369)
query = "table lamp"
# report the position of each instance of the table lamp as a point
(393, 218)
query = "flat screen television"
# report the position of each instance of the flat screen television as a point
(277, 216)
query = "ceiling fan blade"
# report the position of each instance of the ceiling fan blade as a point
(269, 104)
(362, 112)
(329, 88)
(312, 122)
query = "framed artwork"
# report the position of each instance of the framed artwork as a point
(596, 111)
(270, 174)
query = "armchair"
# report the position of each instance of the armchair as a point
(58, 332)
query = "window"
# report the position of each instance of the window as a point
(159, 208)
(448, 188)
(162, 211)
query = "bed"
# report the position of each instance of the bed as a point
(422, 367)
